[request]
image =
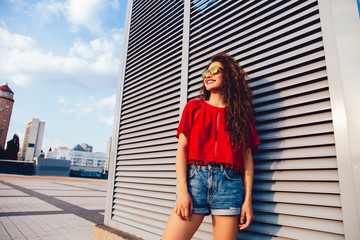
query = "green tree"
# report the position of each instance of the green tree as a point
(13, 147)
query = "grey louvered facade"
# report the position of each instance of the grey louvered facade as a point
(303, 186)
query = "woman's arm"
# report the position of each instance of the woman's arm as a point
(246, 209)
(184, 204)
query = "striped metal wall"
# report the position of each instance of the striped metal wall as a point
(280, 45)
(144, 179)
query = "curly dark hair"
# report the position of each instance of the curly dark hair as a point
(238, 100)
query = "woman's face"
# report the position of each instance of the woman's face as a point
(214, 82)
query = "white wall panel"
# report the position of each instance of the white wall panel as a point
(144, 180)
(280, 45)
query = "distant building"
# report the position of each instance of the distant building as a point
(58, 153)
(53, 167)
(33, 138)
(87, 147)
(6, 106)
(108, 153)
(79, 156)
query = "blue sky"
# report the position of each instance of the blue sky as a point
(61, 59)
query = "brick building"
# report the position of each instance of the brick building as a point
(6, 106)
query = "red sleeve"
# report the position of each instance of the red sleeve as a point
(186, 121)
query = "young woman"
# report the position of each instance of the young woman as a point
(214, 165)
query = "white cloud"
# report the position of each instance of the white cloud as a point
(105, 111)
(87, 13)
(100, 110)
(78, 13)
(115, 4)
(108, 120)
(62, 99)
(19, 4)
(84, 13)
(87, 64)
(108, 102)
(103, 49)
(79, 108)
(15, 41)
(44, 12)
(86, 110)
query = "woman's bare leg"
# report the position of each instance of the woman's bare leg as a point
(179, 229)
(225, 227)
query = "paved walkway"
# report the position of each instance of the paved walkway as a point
(46, 207)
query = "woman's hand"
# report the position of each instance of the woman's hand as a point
(246, 214)
(184, 206)
(246, 210)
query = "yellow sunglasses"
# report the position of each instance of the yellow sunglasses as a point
(212, 71)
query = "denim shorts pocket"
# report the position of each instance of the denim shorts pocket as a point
(232, 175)
(191, 172)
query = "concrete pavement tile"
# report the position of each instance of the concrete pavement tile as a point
(35, 226)
(51, 208)
(47, 238)
(2, 186)
(74, 193)
(3, 233)
(59, 237)
(24, 229)
(53, 222)
(25, 204)
(11, 229)
(19, 238)
(5, 237)
(11, 192)
(51, 229)
(4, 209)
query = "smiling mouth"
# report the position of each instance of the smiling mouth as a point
(210, 81)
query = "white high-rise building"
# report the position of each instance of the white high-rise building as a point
(33, 138)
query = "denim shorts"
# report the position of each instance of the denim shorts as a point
(215, 189)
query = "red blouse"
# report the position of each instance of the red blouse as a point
(204, 127)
